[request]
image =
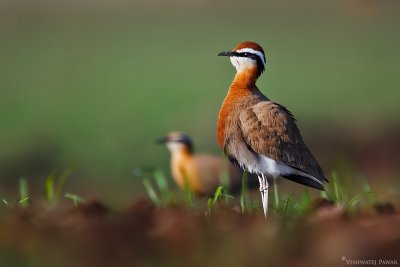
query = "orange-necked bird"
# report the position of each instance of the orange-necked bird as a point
(259, 135)
(201, 173)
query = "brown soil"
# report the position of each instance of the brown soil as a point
(143, 235)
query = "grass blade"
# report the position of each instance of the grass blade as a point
(23, 192)
(276, 195)
(244, 193)
(211, 201)
(370, 194)
(61, 181)
(49, 188)
(162, 185)
(336, 189)
(23, 202)
(304, 204)
(6, 202)
(151, 192)
(75, 198)
(287, 203)
(217, 194)
(352, 204)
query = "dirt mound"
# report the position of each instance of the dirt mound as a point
(144, 235)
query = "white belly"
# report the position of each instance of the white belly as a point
(267, 166)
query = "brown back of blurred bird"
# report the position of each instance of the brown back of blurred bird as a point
(201, 173)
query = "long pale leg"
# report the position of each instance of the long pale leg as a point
(264, 192)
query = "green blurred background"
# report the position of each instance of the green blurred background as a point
(92, 84)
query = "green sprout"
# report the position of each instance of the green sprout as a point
(151, 192)
(246, 204)
(219, 194)
(23, 192)
(74, 198)
(276, 194)
(159, 194)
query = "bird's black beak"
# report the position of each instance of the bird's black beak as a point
(226, 54)
(162, 140)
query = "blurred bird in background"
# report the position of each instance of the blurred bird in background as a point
(259, 135)
(201, 173)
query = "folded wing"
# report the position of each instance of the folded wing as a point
(270, 130)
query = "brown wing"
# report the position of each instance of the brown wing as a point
(269, 129)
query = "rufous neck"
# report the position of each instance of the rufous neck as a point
(181, 153)
(246, 78)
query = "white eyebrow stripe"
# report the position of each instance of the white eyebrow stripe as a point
(250, 50)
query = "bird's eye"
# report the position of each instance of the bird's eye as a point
(246, 54)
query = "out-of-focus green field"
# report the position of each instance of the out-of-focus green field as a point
(93, 85)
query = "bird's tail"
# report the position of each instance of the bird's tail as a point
(305, 180)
